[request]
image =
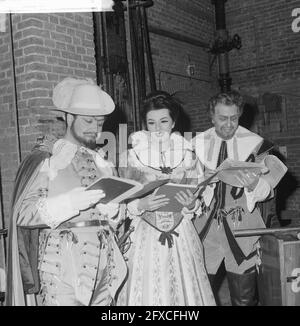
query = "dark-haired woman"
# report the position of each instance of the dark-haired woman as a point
(165, 259)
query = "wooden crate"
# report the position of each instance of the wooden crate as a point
(279, 277)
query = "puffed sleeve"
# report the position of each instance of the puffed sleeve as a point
(260, 193)
(37, 209)
(126, 170)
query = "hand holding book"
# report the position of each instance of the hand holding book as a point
(187, 198)
(152, 202)
(179, 195)
(118, 190)
(248, 179)
(246, 174)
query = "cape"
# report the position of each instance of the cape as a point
(22, 258)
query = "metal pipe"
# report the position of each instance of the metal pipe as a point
(177, 37)
(222, 34)
(14, 88)
(106, 54)
(220, 14)
(3, 232)
(140, 63)
(179, 75)
(137, 81)
(131, 70)
(98, 48)
(266, 65)
(261, 231)
(148, 49)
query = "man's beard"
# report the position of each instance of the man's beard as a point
(89, 143)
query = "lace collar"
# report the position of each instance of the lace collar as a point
(148, 153)
(64, 151)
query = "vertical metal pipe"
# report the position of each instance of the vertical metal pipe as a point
(137, 82)
(141, 54)
(2, 241)
(148, 50)
(14, 89)
(108, 76)
(98, 48)
(131, 70)
(220, 14)
(222, 34)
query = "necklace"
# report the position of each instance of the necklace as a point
(163, 169)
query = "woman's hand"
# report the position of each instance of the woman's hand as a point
(152, 203)
(186, 198)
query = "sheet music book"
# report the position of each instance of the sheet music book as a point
(118, 189)
(170, 190)
(277, 170)
(271, 169)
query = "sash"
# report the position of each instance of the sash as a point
(164, 222)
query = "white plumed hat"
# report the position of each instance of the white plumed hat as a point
(82, 97)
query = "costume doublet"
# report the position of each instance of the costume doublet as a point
(79, 262)
(165, 268)
(234, 206)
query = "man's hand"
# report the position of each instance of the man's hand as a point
(109, 210)
(152, 203)
(248, 179)
(82, 199)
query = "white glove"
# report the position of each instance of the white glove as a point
(58, 209)
(81, 199)
(109, 210)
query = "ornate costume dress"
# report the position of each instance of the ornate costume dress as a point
(165, 268)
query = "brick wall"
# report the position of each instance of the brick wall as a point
(8, 148)
(193, 19)
(47, 48)
(269, 61)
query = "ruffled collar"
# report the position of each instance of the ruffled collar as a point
(142, 140)
(63, 153)
(239, 147)
(149, 153)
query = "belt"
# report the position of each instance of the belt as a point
(82, 224)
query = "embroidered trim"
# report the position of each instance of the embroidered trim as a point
(43, 210)
(85, 167)
(63, 153)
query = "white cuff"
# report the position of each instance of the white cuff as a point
(112, 212)
(208, 194)
(132, 208)
(190, 213)
(185, 210)
(109, 210)
(260, 193)
(54, 211)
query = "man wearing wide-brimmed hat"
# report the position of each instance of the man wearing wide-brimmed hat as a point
(77, 261)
